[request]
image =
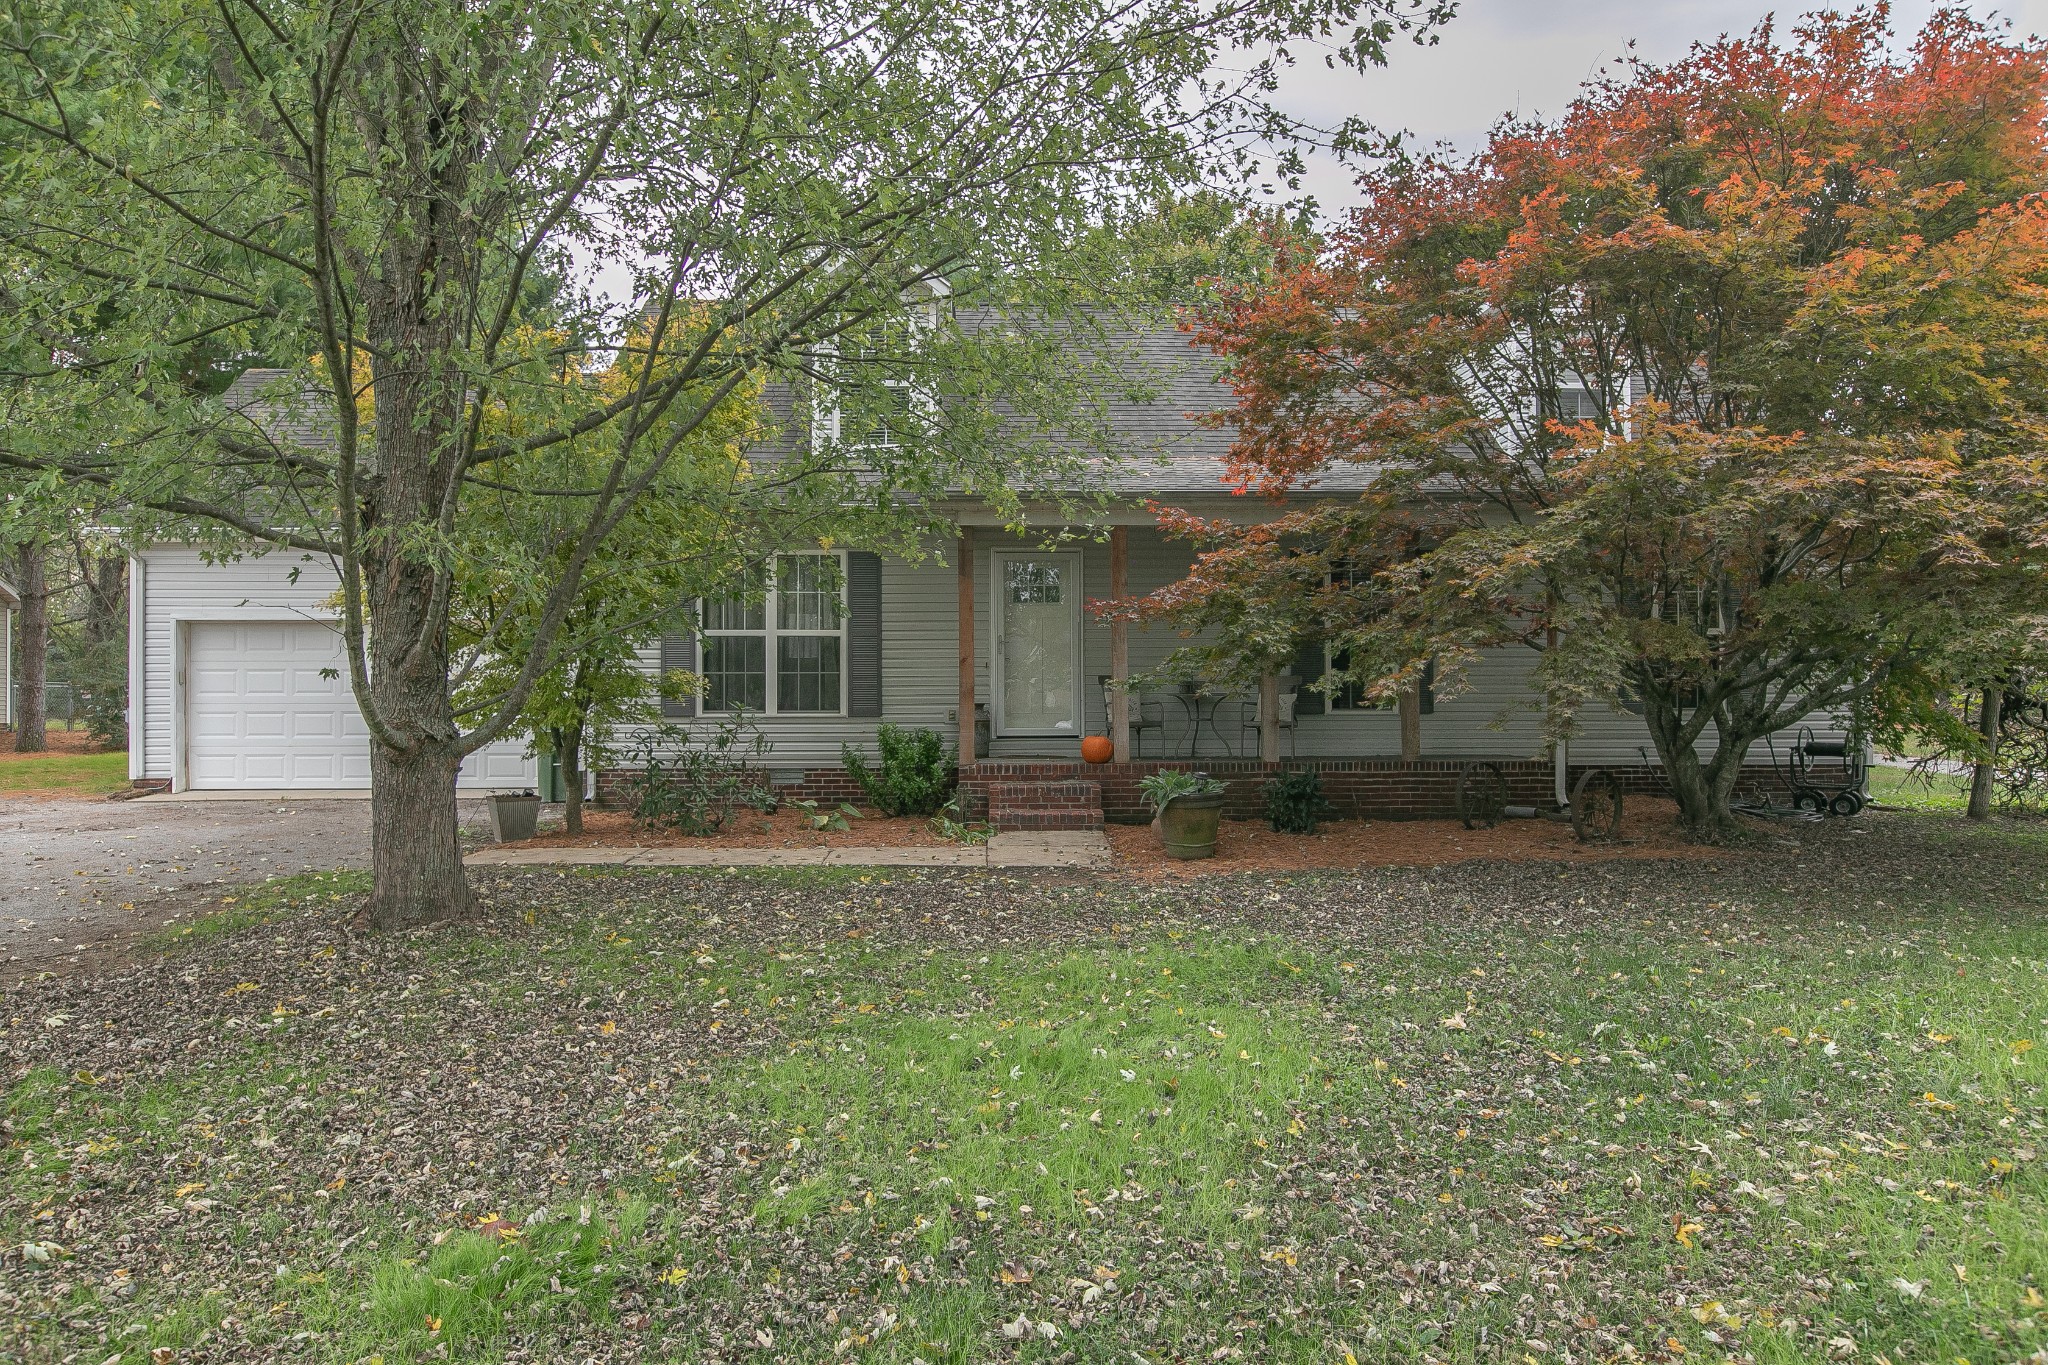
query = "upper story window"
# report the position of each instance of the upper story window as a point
(778, 645)
(877, 403)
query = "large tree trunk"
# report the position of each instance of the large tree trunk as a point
(1704, 791)
(415, 852)
(32, 582)
(1984, 777)
(415, 848)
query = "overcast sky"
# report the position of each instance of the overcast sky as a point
(1502, 56)
(1527, 56)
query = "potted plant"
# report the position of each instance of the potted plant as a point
(513, 814)
(1189, 806)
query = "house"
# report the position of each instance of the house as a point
(9, 600)
(236, 677)
(991, 627)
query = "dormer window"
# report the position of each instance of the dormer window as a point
(877, 403)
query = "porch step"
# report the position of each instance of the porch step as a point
(1072, 804)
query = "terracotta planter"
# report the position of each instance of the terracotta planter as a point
(513, 817)
(1187, 826)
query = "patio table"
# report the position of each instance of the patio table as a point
(1199, 703)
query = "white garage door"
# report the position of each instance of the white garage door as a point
(261, 713)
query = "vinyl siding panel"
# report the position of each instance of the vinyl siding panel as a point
(1492, 717)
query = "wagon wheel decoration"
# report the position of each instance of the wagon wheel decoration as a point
(1482, 795)
(1596, 807)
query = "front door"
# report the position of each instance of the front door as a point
(1038, 643)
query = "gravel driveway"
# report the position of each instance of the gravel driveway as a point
(74, 874)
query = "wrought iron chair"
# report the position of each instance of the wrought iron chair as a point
(1290, 696)
(1145, 714)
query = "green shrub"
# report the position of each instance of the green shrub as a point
(1294, 802)
(917, 774)
(695, 781)
(106, 716)
(1168, 783)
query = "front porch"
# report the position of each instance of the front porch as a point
(1037, 670)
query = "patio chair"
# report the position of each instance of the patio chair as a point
(1145, 714)
(1290, 695)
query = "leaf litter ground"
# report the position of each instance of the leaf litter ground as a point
(1777, 1105)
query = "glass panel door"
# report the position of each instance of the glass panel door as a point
(1038, 641)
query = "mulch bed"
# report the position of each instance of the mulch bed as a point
(787, 828)
(59, 741)
(1650, 829)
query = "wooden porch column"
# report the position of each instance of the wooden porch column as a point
(1410, 704)
(1269, 718)
(1119, 646)
(966, 558)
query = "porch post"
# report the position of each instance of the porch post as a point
(1269, 717)
(1119, 646)
(1410, 704)
(966, 566)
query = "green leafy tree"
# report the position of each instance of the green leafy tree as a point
(374, 183)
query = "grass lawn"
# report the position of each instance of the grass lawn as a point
(71, 774)
(1918, 791)
(1786, 1105)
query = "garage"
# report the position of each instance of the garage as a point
(268, 708)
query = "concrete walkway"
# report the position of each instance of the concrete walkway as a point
(1050, 848)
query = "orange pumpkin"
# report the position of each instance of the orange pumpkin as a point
(1097, 749)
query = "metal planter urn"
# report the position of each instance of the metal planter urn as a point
(1187, 825)
(513, 815)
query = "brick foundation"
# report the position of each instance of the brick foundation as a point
(1359, 788)
(1051, 794)
(826, 786)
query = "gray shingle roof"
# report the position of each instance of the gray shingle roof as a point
(1171, 451)
(1165, 450)
(301, 419)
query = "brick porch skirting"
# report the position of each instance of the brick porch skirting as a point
(1360, 788)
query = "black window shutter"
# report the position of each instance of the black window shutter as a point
(1428, 688)
(679, 654)
(1308, 666)
(863, 634)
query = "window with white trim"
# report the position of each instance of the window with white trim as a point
(1349, 695)
(777, 647)
(1579, 405)
(877, 403)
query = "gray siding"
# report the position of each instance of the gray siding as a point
(1491, 718)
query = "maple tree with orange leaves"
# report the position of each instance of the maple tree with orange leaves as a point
(1723, 393)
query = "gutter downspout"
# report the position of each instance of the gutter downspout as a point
(138, 672)
(1561, 763)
